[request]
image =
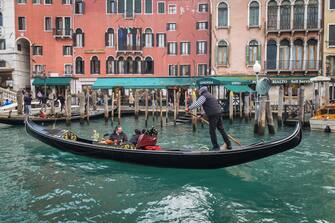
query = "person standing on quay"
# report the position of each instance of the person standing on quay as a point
(213, 112)
(27, 103)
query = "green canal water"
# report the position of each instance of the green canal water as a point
(42, 184)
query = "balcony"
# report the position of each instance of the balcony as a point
(272, 27)
(292, 65)
(62, 33)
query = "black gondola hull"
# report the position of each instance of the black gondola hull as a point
(166, 158)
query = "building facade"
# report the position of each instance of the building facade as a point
(329, 44)
(13, 73)
(109, 38)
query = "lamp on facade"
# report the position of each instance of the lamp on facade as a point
(257, 68)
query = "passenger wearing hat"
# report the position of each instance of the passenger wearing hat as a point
(213, 111)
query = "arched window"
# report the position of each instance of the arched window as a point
(312, 14)
(111, 6)
(80, 65)
(129, 65)
(284, 55)
(121, 65)
(312, 54)
(271, 55)
(109, 38)
(299, 11)
(253, 52)
(138, 65)
(272, 15)
(254, 14)
(148, 65)
(79, 7)
(222, 53)
(95, 65)
(110, 65)
(298, 54)
(285, 15)
(149, 38)
(222, 14)
(79, 39)
(1, 19)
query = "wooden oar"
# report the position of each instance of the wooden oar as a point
(205, 121)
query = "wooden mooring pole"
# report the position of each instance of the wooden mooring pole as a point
(194, 119)
(269, 117)
(113, 108)
(161, 106)
(106, 112)
(246, 107)
(146, 107)
(68, 112)
(231, 106)
(19, 100)
(81, 97)
(119, 107)
(261, 116)
(301, 104)
(174, 106)
(280, 106)
(136, 104)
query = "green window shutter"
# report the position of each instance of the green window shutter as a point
(247, 55)
(259, 53)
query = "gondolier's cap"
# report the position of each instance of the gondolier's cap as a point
(203, 89)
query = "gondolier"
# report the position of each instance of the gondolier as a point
(213, 111)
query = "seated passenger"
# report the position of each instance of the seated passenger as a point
(118, 136)
(134, 138)
(42, 114)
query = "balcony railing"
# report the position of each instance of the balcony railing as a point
(272, 26)
(130, 48)
(63, 33)
(292, 65)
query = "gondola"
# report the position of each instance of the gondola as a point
(173, 158)
(20, 120)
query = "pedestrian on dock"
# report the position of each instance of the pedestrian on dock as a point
(27, 103)
(61, 101)
(131, 100)
(213, 111)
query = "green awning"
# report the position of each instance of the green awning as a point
(52, 81)
(239, 88)
(143, 82)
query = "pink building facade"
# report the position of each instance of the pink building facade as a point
(111, 38)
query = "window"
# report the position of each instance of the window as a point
(120, 6)
(331, 37)
(79, 66)
(203, 8)
(161, 39)
(138, 6)
(95, 65)
(201, 47)
(222, 53)
(148, 6)
(63, 26)
(253, 52)
(129, 8)
(172, 48)
(22, 23)
(311, 54)
(67, 50)
(202, 25)
(173, 70)
(79, 38)
(38, 69)
(79, 7)
(272, 15)
(110, 65)
(271, 55)
(129, 65)
(254, 14)
(138, 65)
(68, 69)
(36, 2)
(161, 7)
(172, 9)
(1, 19)
(47, 2)
(66, 2)
(331, 4)
(284, 55)
(330, 66)
(149, 38)
(202, 69)
(171, 26)
(37, 50)
(312, 14)
(299, 11)
(2, 44)
(223, 15)
(148, 65)
(109, 38)
(285, 15)
(185, 70)
(21, 1)
(47, 24)
(185, 48)
(298, 54)
(111, 6)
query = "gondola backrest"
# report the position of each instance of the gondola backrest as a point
(146, 140)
